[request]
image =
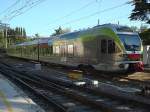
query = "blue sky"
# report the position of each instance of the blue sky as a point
(47, 16)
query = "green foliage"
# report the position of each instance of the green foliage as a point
(24, 32)
(134, 28)
(141, 11)
(37, 35)
(19, 32)
(61, 31)
(145, 36)
(14, 36)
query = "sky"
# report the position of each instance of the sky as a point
(50, 14)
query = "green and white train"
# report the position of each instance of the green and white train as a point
(107, 47)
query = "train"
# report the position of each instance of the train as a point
(107, 47)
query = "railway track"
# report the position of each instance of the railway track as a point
(85, 98)
(114, 78)
(54, 94)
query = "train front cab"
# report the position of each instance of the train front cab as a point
(133, 51)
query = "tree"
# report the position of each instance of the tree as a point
(37, 35)
(24, 32)
(144, 33)
(16, 35)
(143, 28)
(141, 11)
(134, 28)
(61, 31)
(145, 36)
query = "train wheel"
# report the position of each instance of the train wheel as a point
(131, 68)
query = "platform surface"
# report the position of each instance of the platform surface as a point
(12, 99)
(147, 69)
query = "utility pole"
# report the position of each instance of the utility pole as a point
(38, 50)
(4, 28)
(6, 42)
(38, 47)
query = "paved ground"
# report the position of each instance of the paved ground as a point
(147, 69)
(140, 76)
(12, 99)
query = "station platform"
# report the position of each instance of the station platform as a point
(12, 99)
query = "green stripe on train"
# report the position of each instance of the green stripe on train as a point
(109, 33)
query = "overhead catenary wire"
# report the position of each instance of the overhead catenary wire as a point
(98, 8)
(33, 4)
(13, 12)
(74, 11)
(21, 10)
(95, 13)
(11, 6)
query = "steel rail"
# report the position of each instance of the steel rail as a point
(10, 74)
(78, 96)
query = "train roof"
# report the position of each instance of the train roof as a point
(34, 42)
(72, 35)
(116, 28)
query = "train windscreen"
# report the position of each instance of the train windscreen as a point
(131, 42)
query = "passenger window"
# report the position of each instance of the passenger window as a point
(103, 46)
(111, 46)
(63, 49)
(70, 49)
(56, 49)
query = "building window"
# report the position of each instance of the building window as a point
(103, 46)
(70, 49)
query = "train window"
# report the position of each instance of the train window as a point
(70, 49)
(111, 46)
(56, 49)
(63, 49)
(53, 49)
(103, 46)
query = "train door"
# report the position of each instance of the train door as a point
(107, 50)
(111, 51)
(103, 51)
(98, 50)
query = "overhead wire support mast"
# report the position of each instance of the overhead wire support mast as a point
(4, 27)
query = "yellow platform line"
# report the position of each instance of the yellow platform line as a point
(6, 102)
